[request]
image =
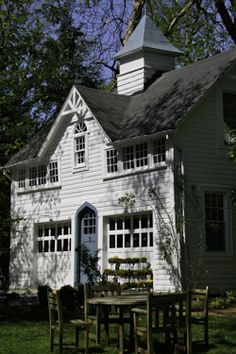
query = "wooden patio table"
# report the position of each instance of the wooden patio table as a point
(122, 302)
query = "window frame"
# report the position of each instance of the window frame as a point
(43, 239)
(126, 225)
(79, 133)
(136, 163)
(35, 179)
(227, 210)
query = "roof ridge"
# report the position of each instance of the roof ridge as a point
(101, 91)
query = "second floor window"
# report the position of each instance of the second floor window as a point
(38, 175)
(80, 145)
(135, 156)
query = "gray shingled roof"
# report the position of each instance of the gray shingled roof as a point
(108, 108)
(147, 35)
(161, 107)
(30, 150)
(171, 97)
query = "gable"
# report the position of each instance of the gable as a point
(159, 109)
(46, 139)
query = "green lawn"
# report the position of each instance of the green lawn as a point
(31, 337)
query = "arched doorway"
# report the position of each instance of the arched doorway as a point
(86, 235)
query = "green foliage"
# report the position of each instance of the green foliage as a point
(128, 202)
(127, 273)
(43, 294)
(42, 53)
(129, 260)
(67, 294)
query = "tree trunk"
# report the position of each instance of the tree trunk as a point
(134, 18)
(230, 24)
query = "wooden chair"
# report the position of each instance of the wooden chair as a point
(165, 313)
(56, 323)
(199, 310)
(94, 314)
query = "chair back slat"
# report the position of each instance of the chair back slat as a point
(200, 301)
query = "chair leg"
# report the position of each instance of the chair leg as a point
(86, 340)
(51, 339)
(206, 334)
(60, 340)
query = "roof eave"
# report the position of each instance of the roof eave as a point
(149, 49)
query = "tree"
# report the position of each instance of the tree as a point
(200, 28)
(42, 53)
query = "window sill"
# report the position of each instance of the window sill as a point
(133, 172)
(39, 189)
(80, 169)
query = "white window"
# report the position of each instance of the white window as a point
(135, 156)
(39, 175)
(53, 172)
(80, 145)
(112, 160)
(54, 237)
(215, 222)
(134, 231)
(159, 151)
(33, 176)
(21, 178)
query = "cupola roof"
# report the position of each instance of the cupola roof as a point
(147, 36)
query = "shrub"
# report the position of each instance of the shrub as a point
(67, 294)
(43, 294)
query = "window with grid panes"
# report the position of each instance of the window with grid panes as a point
(135, 156)
(111, 157)
(53, 172)
(39, 175)
(159, 150)
(54, 237)
(215, 221)
(80, 142)
(21, 178)
(134, 231)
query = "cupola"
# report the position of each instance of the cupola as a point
(146, 53)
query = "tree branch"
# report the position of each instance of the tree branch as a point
(178, 16)
(225, 16)
(134, 18)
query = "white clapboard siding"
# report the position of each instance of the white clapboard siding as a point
(201, 140)
(62, 203)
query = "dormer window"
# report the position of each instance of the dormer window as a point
(80, 145)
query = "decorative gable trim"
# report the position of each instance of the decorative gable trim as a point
(74, 105)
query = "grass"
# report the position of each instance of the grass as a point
(29, 336)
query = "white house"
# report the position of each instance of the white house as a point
(165, 131)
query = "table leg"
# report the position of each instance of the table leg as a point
(121, 331)
(106, 325)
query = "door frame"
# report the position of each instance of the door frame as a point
(81, 211)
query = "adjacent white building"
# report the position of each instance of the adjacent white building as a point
(163, 138)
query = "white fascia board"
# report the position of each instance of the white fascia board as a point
(67, 115)
(54, 127)
(141, 138)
